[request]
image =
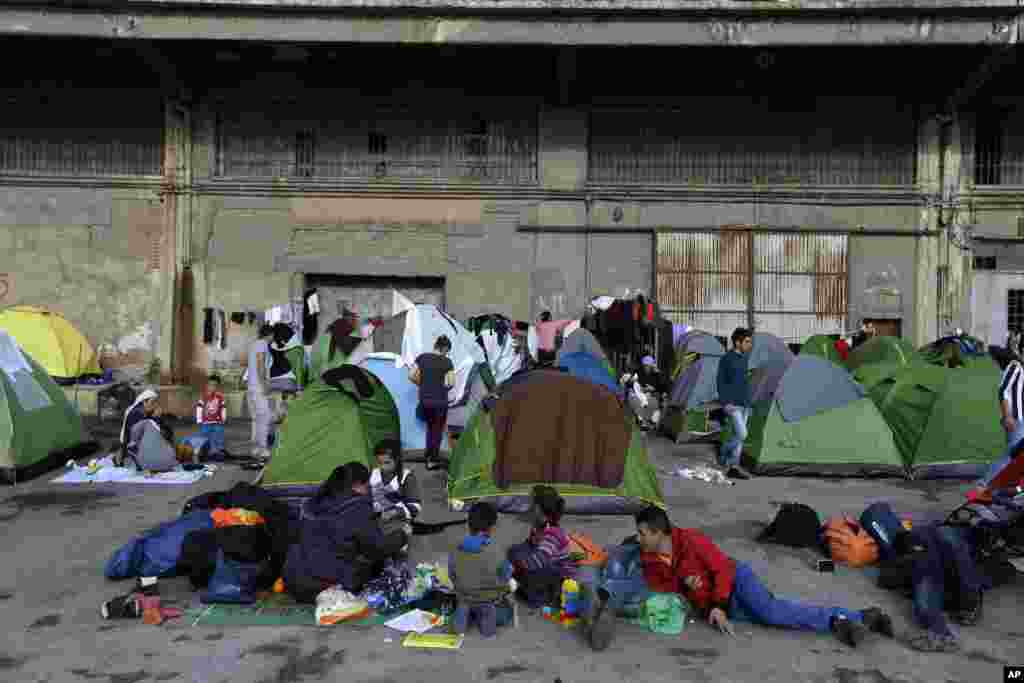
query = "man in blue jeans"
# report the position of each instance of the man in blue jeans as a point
(941, 555)
(734, 395)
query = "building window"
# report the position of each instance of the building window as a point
(732, 141)
(429, 140)
(984, 262)
(52, 134)
(1015, 309)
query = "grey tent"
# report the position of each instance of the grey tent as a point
(697, 385)
(469, 404)
(703, 343)
(581, 340)
(769, 359)
(814, 385)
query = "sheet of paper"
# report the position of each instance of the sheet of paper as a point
(416, 621)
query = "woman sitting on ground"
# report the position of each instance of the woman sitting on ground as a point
(340, 542)
(146, 441)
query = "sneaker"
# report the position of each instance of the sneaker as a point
(934, 642)
(124, 607)
(602, 624)
(847, 631)
(735, 472)
(971, 615)
(147, 586)
(879, 622)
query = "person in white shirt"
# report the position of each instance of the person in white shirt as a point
(258, 390)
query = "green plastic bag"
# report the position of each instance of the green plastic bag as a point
(664, 613)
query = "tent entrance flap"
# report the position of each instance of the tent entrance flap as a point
(573, 432)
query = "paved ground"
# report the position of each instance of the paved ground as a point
(57, 538)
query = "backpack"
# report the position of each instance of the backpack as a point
(848, 542)
(996, 527)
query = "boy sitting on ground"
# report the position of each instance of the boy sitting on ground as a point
(481, 576)
(686, 561)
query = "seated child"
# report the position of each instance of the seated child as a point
(212, 414)
(688, 562)
(396, 493)
(542, 562)
(480, 576)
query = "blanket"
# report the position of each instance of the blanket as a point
(108, 473)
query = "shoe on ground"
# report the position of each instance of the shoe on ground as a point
(735, 472)
(879, 622)
(147, 587)
(934, 642)
(123, 607)
(602, 623)
(971, 615)
(849, 632)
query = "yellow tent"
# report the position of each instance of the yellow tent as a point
(51, 341)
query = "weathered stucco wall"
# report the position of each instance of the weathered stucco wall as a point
(95, 256)
(882, 279)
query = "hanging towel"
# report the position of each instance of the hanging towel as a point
(310, 317)
(223, 329)
(314, 302)
(207, 325)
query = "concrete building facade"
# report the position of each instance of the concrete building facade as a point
(800, 168)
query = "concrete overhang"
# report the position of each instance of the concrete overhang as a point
(543, 23)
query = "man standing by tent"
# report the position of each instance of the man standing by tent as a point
(1011, 408)
(435, 375)
(258, 390)
(734, 394)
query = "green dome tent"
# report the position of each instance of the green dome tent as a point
(38, 424)
(819, 422)
(822, 346)
(548, 427)
(971, 351)
(944, 421)
(329, 426)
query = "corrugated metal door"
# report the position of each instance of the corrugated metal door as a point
(790, 284)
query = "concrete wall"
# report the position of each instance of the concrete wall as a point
(988, 303)
(882, 279)
(94, 255)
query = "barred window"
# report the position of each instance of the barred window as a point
(999, 148)
(81, 133)
(732, 141)
(491, 141)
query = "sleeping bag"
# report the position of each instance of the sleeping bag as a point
(156, 552)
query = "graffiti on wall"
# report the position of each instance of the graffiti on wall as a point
(556, 303)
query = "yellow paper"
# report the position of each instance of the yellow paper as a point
(440, 641)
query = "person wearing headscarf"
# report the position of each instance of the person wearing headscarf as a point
(340, 541)
(334, 347)
(146, 440)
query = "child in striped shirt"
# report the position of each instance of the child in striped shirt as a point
(542, 562)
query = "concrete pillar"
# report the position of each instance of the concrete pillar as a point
(922, 328)
(177, 200)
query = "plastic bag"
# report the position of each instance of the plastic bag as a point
(233, 582)
(663, 613)
(335, 605)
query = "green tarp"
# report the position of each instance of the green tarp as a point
(37, 422)
(325, 428)
(471, 471)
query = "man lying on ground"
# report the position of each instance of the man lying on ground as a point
(686, 561)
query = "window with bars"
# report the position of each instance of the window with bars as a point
(999, 147)
(496, 143)
(731, 141)
(1015, 309)
(53, 134)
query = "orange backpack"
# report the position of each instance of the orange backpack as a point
(848, 542)
(583, 545)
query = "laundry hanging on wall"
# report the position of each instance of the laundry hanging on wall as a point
(310, 317)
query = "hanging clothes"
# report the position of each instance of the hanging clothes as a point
(310, 316)
(207, 325)
(222, 319)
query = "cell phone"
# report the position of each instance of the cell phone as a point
(826, 565)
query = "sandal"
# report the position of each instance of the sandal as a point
(934, 642)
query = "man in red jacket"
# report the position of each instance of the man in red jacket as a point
(686, 561)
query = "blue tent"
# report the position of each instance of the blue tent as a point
(406, 396)
(585, 366)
